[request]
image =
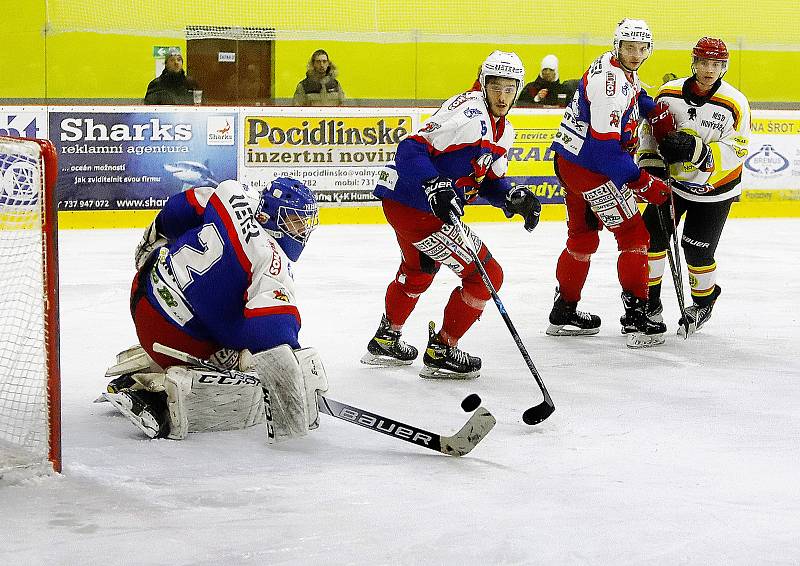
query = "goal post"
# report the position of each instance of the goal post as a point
(30, 391)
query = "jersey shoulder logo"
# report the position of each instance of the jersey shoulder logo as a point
(611, 84)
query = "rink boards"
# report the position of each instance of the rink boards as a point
(118, 165)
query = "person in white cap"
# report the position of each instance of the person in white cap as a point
(546, 90)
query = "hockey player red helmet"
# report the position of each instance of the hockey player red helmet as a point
(711, 48)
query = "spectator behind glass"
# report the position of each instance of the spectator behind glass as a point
(546, 90)
(172, 86)
(320, 87)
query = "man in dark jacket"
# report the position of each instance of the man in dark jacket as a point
(172, 86)
(320, 87)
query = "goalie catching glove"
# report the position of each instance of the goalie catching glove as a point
(523, 202)
(151, 240)
(649, 188)
(442, 198)
(681, 147)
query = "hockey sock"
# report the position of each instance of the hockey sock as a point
(459, 316)
(632, 272)
(571, 274)
(655, 270)
(399, 304)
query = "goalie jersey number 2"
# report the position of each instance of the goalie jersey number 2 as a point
(188, 261)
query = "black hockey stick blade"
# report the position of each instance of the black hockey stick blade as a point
(461, 443)
(538, 413)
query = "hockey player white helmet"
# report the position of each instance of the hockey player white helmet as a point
(502, 64)
(632, 30)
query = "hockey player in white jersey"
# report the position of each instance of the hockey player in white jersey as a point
(595, 146)
(704, 159)
(459, 154)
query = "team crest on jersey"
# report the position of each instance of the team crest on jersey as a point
(692, 113)
(471, 112)
(430, 127)
(614, 118)
(481, 166)
(280, 295)
(611, 84)
(461, 99)
(625, 89)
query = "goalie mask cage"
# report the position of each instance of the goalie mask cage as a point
(30, 427)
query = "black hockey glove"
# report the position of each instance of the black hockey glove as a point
(523, 202)
(653, 164)
(442, 198)
(680, 147)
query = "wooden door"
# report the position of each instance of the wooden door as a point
(231, 71)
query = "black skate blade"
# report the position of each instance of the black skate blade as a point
(383, 361)
(535, 415)
(567, 330)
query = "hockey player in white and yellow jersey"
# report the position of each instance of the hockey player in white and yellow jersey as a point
(704, 158)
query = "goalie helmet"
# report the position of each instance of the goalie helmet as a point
(632, 30)
(711, 48)
(288, 211)
(502, 64)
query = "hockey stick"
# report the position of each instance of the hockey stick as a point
(474, 430)
(537, 413)
(674, 260)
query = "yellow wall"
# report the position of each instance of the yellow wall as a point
(106, 65)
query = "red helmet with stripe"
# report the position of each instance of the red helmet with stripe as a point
(711, 48)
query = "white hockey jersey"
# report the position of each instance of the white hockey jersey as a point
(722, 120)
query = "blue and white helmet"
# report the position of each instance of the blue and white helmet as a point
(288, 211)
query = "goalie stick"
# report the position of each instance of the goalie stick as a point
(474, 430)
(537, 413)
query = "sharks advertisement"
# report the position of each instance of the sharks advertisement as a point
(120, 160)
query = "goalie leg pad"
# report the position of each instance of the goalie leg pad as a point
(284, 392)
(201, 400)
(133, 360)
(315, 381)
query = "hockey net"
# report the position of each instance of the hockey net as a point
(29, 367)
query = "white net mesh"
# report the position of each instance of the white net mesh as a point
(23, 376)
(544, 21)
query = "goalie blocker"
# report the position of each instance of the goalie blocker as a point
(277, 387)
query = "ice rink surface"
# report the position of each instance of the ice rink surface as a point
(681, 454)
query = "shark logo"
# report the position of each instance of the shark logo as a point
(220, 130)
(192, 173)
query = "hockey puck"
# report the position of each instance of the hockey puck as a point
(471, 402)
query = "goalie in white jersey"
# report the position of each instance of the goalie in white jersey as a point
(704, 158)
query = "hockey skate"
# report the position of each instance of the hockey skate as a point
(387, 349)
(447, 362)
(655, 309)
(566, 320)
(145, 409)
(698, 315)
(641, 331)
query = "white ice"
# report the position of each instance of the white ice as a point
(682, 454)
